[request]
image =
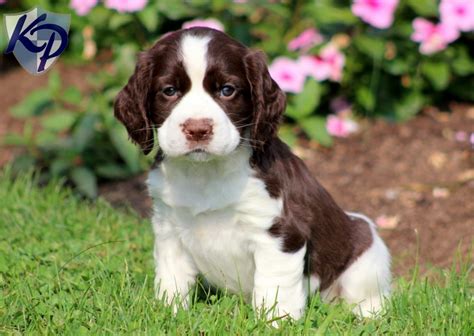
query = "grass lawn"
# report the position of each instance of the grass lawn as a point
(72, 267)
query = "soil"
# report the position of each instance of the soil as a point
(415, 178)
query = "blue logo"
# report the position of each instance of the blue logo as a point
(37, 38)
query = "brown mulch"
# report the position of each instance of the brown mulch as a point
(415, 174)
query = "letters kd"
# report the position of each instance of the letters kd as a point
(36, 38)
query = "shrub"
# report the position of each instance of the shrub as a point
(331, 56)
(75, 136)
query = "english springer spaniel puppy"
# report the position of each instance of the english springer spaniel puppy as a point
(230, 200)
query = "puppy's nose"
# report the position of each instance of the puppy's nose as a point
(197, 129)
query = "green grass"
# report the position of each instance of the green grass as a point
(72, 267)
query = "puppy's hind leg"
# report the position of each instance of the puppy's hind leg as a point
(366, 282)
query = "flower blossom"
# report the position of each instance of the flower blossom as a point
(378, 13)
(208, 23)
(123, 6)
(458, 14)
(327, 65)
(82, 7)
(387, 222)
(288, 74)
(340, 126)
(433, 37)
(307, 39)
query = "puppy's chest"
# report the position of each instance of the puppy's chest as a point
(218, 221)
(222, 249)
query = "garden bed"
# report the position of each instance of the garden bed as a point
(415, 175)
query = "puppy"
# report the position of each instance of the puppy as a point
(230, 200)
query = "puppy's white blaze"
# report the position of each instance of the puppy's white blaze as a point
(196, 104)
(194, 52)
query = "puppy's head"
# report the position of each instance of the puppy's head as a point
(204, 93)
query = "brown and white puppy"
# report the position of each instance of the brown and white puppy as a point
(230, 200)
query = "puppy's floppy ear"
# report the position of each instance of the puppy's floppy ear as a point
(131, 106)
(268, 99)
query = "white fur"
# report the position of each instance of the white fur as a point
(213, 218)
(196, 104)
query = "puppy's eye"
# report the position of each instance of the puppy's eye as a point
(227, 91)
(170, 91)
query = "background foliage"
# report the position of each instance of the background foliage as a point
(383, 75)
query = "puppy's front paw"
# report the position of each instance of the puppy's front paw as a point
(171, 295)
(278, 310)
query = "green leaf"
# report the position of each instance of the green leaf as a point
(34, 104)
(327, 14)
(287, 134)
(315, 128)
(409, 106)
(305, 102)
(84, 131)
(118, 20)
(85, 181)
(13, 139)
(23, 163)
(112, 171)
(462, 64)
(46, 138)
(175, 10)
(99, 16)
(397, 66)
(59, 167)
(424, 7)
(128, 151)
(126, 57)
(54, 83)
(72, 95)
(366, 98)
(149, 18)
(59, 121)
(370, 45)
(437, 73)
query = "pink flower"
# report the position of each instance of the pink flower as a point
(460, 136)
(378, 13)
(387, 222)
(288, 74)
(307, 39)
(340, 127)
(458, 14)
(2, 1)
(433, 37)
(82, 7)
(208, 23)
(123, 6)
(328, 64)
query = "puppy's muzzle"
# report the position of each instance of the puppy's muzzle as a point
(198, 131)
